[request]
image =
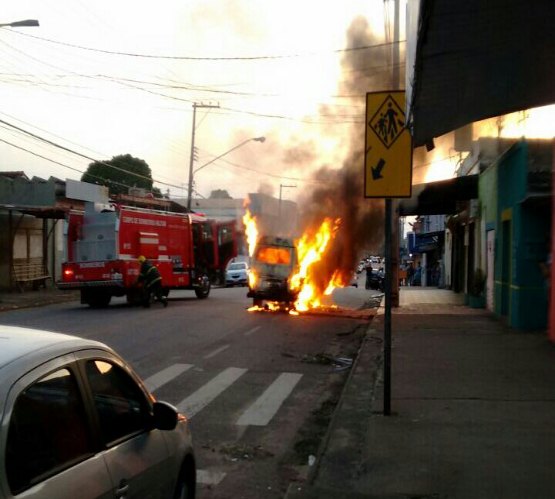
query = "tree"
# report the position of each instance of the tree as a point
(120, 173)
(220, 194)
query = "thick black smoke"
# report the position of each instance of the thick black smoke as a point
(340, 192)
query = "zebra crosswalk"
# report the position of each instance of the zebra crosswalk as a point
(203, 396)
(259, 413)
(262, 411)
(165, 375)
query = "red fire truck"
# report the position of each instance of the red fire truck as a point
(104, 242)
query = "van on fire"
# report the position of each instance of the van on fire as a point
(102, 245)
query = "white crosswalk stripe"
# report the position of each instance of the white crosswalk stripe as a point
(259, 413)
(165, 375)
(210, 477)
(207, 393)
(266, 406)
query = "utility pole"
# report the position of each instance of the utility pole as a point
(391, 242)
(192, 157)
(395, 236)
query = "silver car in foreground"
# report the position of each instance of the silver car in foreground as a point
(77, 422)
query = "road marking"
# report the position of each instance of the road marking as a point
(216, 352)
(263, 410)
(204, 395)
(209, 477)
(253, 330)
(161, 378)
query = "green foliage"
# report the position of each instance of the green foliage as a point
(120, 173)
(220, 194)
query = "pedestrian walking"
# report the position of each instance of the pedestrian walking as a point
(368, 268)
(410, 273)
(151, 280)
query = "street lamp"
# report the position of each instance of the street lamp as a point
(192, 173)
(20, 24)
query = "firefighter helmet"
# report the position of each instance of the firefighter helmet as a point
(141, 259)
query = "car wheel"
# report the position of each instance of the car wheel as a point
(99, 299)
(182, 490)
(185, 488)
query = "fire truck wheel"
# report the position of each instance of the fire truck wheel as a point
(204, 289)
(99, 300)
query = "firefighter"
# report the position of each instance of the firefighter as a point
(152, 282)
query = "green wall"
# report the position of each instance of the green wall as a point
(520, 291)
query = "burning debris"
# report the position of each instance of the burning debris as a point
(284, 275)
(296, 277)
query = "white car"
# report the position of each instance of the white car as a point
(237, 273)
(76, 421)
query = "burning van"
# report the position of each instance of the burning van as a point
(273, 262)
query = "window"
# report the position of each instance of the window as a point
(122, 407)
(47, 432)
(238, 266)
(274, 255)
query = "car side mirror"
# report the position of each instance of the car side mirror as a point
(164, 415)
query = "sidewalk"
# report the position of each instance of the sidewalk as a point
(35, 298)
(473, 411)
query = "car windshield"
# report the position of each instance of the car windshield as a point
(274, 256)
(237, 266)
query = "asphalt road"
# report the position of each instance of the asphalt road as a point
(259, 387)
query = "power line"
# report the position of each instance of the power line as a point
(41, 156)
(62, 164)
(59, 146)
(193, 58)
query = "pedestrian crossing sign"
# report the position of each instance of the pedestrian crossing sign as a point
(388, 147)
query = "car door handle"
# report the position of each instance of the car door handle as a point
(122, 489)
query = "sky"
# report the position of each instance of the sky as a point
(100, 79)
(106, 78)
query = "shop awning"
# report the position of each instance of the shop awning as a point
(440, 198)
(471, 60)
(53, 212)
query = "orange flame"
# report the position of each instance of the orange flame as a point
(307, 282)
(311, 248)
(251, 230)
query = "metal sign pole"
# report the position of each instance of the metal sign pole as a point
(387, 314)
(387, 174)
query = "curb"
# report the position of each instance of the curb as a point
(305, 490)
(32, 301)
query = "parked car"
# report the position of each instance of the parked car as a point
(376, 280)
(78, 422)
(237, 273)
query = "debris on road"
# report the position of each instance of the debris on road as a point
(245, 452)
(339, 363)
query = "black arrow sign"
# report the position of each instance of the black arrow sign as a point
(377, 170)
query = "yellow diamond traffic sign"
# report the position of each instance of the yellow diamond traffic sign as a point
(388, 150)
